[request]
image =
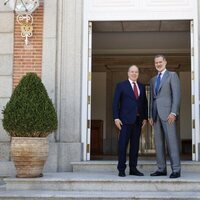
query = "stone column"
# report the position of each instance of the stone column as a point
(6, 71)
(69, 82)
(49, 67)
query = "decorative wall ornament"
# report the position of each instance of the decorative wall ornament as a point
(24, 9)
(26, 22)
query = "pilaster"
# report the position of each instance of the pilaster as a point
(69, 82)
(6, 72)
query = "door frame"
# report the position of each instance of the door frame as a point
(86, 73)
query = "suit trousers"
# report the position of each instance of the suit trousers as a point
(164, 131)
(129, 132)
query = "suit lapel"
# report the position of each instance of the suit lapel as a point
(166, 74)
(130, 89)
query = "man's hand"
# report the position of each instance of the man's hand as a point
(171, 118)
(151, 121)
(144, 122)
(118, 123)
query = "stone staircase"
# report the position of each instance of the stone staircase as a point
(143, 165)
(99, 180)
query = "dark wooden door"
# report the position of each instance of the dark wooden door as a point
(97, 137)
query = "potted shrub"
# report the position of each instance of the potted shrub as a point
(29, 117)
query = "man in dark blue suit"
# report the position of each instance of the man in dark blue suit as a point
(130, 112)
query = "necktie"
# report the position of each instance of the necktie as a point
(135, 90)
(157, 83)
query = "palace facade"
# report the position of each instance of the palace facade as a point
(81, 49)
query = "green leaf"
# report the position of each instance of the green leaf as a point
(30, 111)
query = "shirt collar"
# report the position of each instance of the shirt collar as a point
(162, 73)
(131, 82)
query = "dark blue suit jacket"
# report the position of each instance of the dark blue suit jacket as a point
(125, 105)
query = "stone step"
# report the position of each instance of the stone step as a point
(111, 166)
(101, 182)
(87, 195)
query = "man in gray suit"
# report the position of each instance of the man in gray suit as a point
(164, 109)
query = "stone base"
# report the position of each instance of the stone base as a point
(7, 169)
(67, 153)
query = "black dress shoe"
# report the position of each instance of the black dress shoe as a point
(136, 172)
(122, 174)
(175, 175)
(158, 173)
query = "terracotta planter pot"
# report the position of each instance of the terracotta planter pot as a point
(29, 155)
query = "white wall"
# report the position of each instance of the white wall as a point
(99, 98)
(139, 9)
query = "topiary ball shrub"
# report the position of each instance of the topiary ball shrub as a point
(30, 111)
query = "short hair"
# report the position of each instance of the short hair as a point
(160, 55)
(135, 66)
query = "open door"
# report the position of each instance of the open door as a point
(88, 137)
(109, 67)
(194, 90)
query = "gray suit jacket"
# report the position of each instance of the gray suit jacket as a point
(168, 98)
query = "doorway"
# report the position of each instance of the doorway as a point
(115, 46)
